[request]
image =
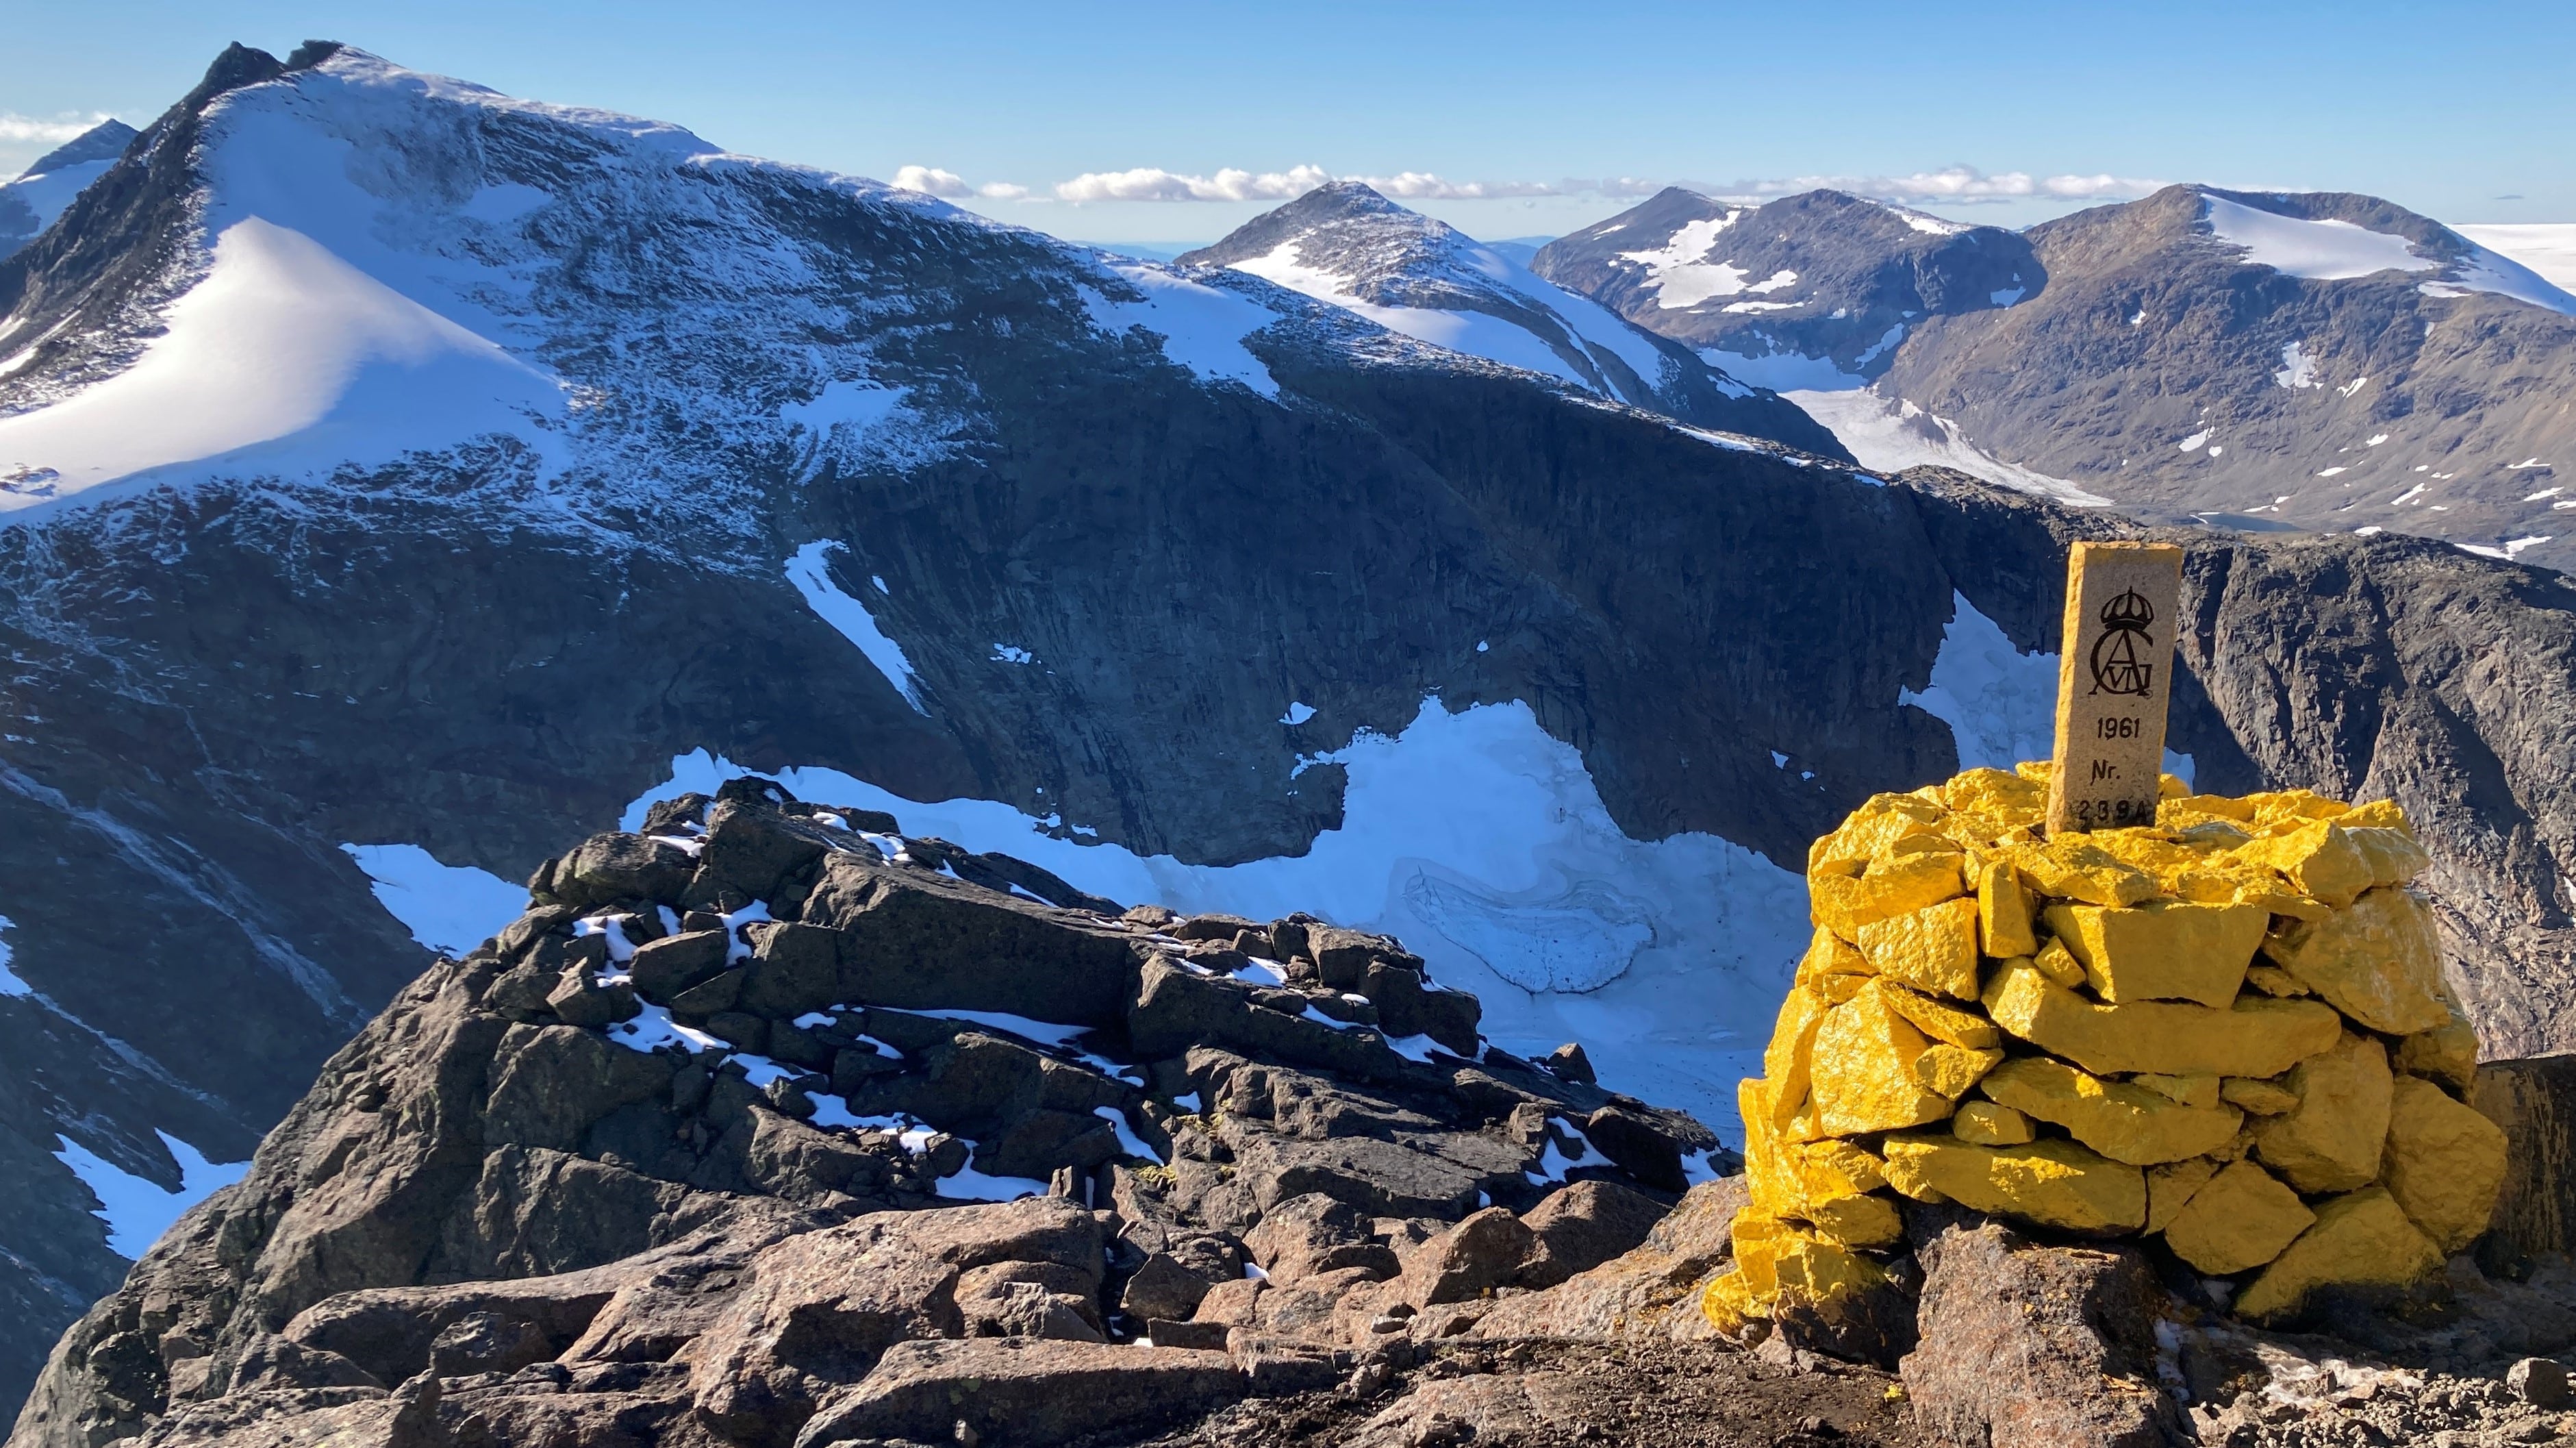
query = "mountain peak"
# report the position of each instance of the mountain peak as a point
(103, 142)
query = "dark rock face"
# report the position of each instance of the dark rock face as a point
(1381, 254)
(2049, 1347)
(1821, 277)
(491, 1222)
(222, 682)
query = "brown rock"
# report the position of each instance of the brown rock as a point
(1469, 1260)
(1579, 1227)
(2038, 1347)
(1652, 1291)
(1011, 1392)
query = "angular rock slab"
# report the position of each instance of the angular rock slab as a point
(2037, 1347)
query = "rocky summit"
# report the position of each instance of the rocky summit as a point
(769, 1125)
(691, 1152)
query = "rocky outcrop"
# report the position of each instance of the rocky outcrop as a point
(656, 1162)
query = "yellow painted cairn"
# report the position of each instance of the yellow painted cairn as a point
(2229, 1030)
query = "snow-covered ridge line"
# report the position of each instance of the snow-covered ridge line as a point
(346, 310)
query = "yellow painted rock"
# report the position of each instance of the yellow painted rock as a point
(2272, 980)
(2123, 1122)
(2068, 867)
(1933, 949)
(1988, 1123)
(1825, 1184)
(1947, 1070)
(2195, 1090)
(2445, 1163)
(2054, 1182)
(1829, 955)
(2189, 809)
(2171, 1185)
(2004, 925)
(1837, 1168)
(2254, 1037)
(2162, 950)
(1776, 1259)
(1993, 792)
(1845, 904)
(2059, 964)
(2240, 1220)
(2446, 1053)
(2290, 805)
(1882, 820)
(1785, 1059)
(1862, 1071)
(2378, 814)
(2331, 1141)
(2394, 857)
(2376, 960)
(1939, 1019)
(2362, 1238)
(2318, 857)
(2259, 1098)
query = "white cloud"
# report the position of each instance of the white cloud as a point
(936, 182)
(16, 129)
(932, 180)
(1152, 183)
(1424, 186)
(1951, 184)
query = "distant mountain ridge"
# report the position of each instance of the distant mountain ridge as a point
(2325, 361)
(30, 203)
(1813, 290)
(1345, 243)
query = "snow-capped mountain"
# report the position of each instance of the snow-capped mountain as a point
(2307, 360)
(401, 477)
(1344, 243)
(1812, 291)
(30, 203)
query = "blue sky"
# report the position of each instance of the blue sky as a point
(2465, 111)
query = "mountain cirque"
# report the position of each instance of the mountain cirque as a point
(2318, 360)
(485, 643)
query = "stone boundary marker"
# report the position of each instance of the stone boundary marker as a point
(2114, 677)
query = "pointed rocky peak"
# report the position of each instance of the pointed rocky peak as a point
(103, 142)
(1352, 212)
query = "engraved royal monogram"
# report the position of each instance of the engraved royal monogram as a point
(2113, 681)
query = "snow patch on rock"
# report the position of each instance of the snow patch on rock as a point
(447, 908)
(1484, 844)
(1893, 436)
(1201, 327)
(136, 1209)
(810, 571)
(2000, 703)
(2322, 251)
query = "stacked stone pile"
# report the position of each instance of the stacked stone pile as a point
(2228, 1032)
